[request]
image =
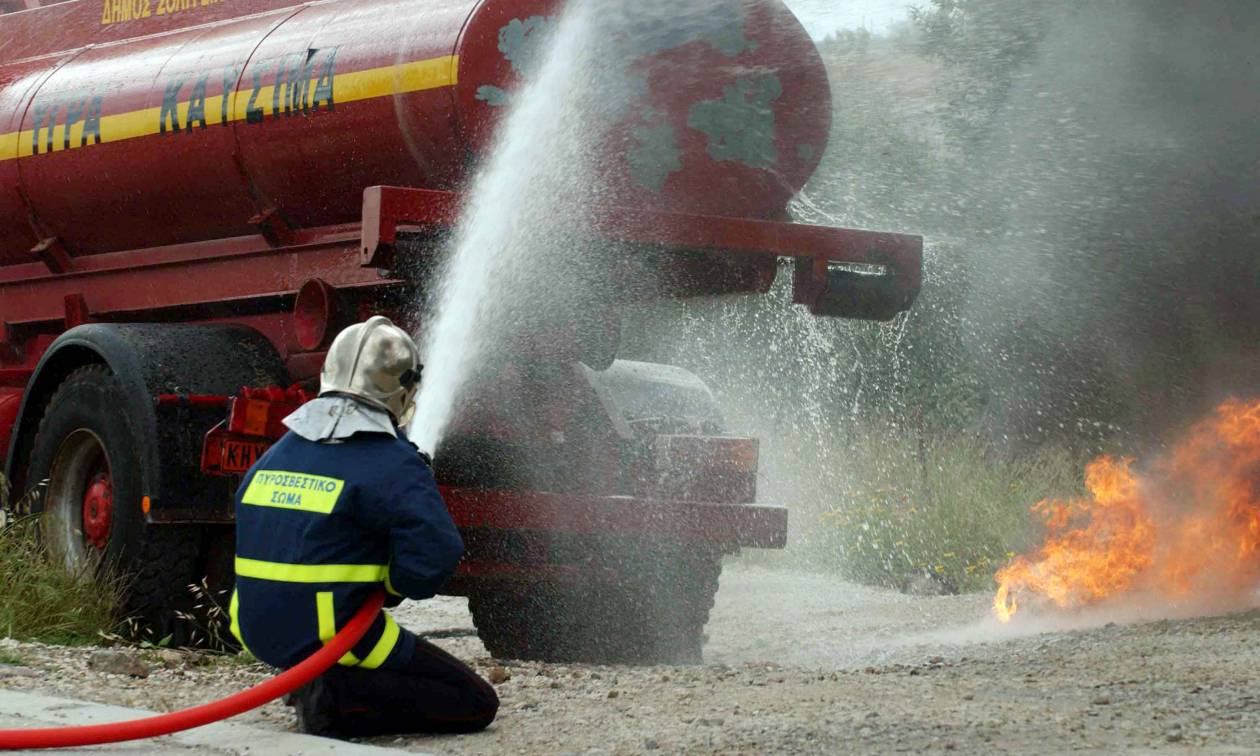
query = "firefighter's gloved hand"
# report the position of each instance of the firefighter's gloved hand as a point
(424, 456)
(391, 600)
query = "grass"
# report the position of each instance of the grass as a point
(44, 600)
(8, 657)
(238, 659)
(883, 509)
(41, 599)
(950, 510)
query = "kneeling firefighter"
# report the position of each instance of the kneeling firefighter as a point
(340, 506)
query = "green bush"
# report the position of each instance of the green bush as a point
(41, 599)
(949, 509)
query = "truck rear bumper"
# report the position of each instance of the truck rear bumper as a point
(727, 526)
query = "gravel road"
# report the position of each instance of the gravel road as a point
(807, 663)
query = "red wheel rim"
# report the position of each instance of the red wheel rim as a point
(98, 510)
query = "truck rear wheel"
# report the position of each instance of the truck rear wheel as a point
(87, 459)
(654, 614)
(517, 622)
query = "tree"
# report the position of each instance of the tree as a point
(985, 44)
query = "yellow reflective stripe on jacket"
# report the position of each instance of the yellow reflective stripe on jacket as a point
(384, 646)
(327, 615)
(234, 611)
(310, 573)
(389, 586)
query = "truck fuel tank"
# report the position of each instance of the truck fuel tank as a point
(128, 124)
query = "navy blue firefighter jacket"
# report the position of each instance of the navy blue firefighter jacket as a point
(319, 528)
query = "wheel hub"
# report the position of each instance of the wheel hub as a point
(98, 510)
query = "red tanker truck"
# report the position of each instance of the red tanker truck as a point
(195, 195)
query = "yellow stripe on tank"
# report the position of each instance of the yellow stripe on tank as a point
(419, 76)
(8, 146)
(355, 86)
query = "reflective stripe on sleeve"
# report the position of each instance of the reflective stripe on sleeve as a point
(310, 573)
(384, 646)
(327, 618)
(389, 586)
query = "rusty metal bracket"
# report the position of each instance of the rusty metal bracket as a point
(385, 208)
(274, 228)
(77, 312)
(54, 255)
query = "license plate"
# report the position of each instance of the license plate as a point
(239, 456)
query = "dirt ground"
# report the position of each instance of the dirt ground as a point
(807, 663)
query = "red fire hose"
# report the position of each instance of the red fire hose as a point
(176, 721)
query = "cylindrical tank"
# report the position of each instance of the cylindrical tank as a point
(128, 124)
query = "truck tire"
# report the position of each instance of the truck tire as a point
(514, 623)
(655, 614)
(86, 457)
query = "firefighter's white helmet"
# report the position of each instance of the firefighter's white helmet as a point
(375, 362)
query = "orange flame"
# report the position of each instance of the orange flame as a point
(1186, 529)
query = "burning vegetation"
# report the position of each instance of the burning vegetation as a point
(1185, 531)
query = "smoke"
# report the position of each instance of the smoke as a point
(1086, 176)
(1117, 188)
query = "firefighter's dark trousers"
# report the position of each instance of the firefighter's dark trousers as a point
(434, 693)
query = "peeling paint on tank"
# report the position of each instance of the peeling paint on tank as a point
(522, 43)
(495, 97)
(721, 25)
(655, 154)
(741, 125)
(806, 151)
(730, 40)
